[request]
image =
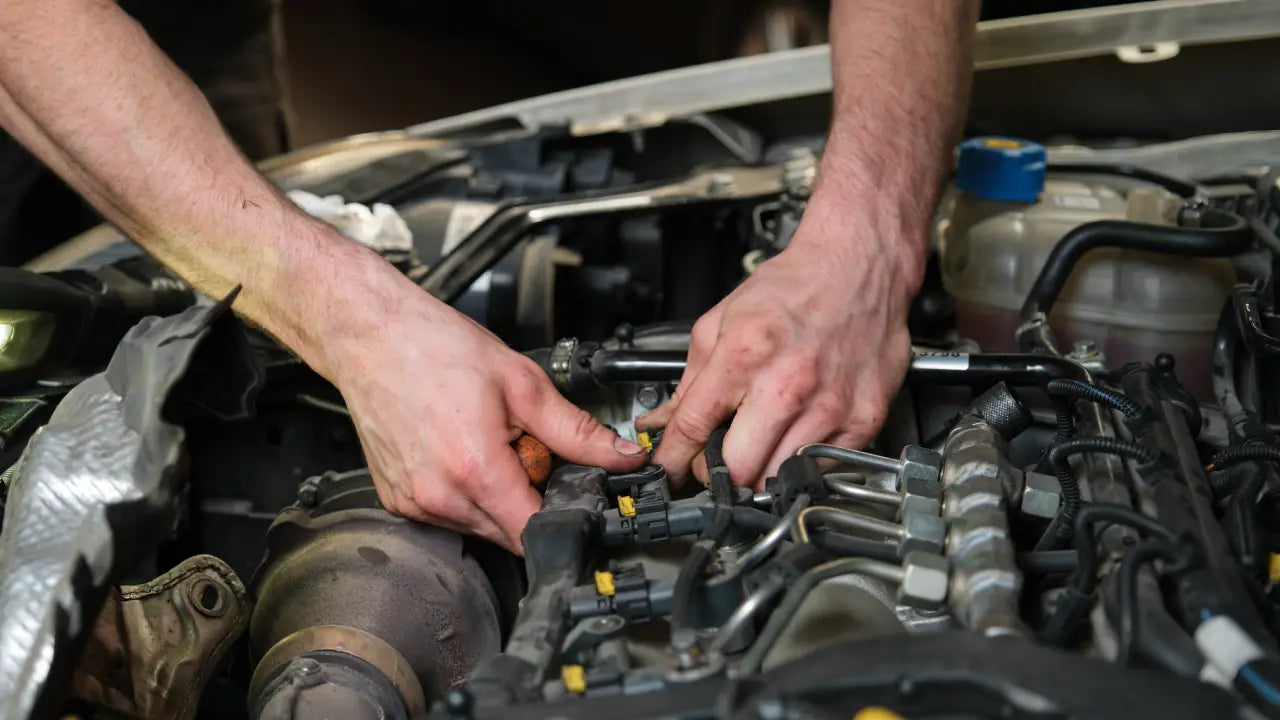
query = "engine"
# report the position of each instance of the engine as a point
(1070, 512)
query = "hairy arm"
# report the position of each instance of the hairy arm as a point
(83, 86)
(812, 347)
(901, 72)
(85, 89)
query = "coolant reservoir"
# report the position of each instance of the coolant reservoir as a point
(1005, 215)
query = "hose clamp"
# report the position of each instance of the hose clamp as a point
(561, 360)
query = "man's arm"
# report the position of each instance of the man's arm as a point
(83, 87)
(813, 346)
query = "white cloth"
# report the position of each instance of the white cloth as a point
(380, 228)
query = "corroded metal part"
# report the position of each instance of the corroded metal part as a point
(154, 646)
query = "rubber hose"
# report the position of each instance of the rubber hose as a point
(1086, 577)
(1177, 186)
(1084, 391)
(1048, 562)
(1145, 552)
(1221, 234)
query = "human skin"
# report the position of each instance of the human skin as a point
(813, 346)
(436, 399)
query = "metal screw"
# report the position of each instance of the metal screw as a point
(685, 645)
(608, 623)
(648, 396)
(720, 184)
(308, 495)
(458, 703)
(1085, 348)
(305, 667)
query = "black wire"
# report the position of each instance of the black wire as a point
(1141, 554)
(717, 472)
(1084, 391)
(1062, 409)
(1064, 525)
(702, 551)
(1077, 597)
(686, 582)
(843, 545)
(1224, 483)
(1086, 576)
(1253, 451)
(759, 522)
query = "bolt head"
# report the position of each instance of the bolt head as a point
(1041, 495)
(649, 396)
(1084, 348)
(921, 468)
(308, 495)
(918, 505)
(923, 533)
(925, 581)
(684, 640)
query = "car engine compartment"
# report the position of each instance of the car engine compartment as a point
(1070, 512)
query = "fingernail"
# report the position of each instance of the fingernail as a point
(626, 447)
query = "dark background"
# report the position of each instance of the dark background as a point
(361, 65)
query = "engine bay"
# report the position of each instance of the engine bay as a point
(1071, 510)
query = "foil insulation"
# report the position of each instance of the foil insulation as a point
(95, 490)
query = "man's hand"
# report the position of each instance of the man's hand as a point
(811, 348)
(437, 400)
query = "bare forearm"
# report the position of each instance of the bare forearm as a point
(87, 91)
(902, 73)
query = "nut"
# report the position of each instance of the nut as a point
(918, 505)
(924, 581)
(922, 533)
(920, 470)
(1041, 495)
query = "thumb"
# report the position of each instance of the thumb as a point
(574, 435)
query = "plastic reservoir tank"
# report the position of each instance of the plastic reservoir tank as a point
(1004, 215)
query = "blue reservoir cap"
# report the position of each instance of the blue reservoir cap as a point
(1001, 168)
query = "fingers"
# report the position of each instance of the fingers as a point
(509, 499)
(701, 341)
(570, 432)
(812, 430)
(453, 511)
(757, 429)
(707, 401)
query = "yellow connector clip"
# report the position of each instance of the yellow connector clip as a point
(604, 583)
(1273, 567)
(574, 677)
(645, 441)
(626, 506)
(877, 713)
